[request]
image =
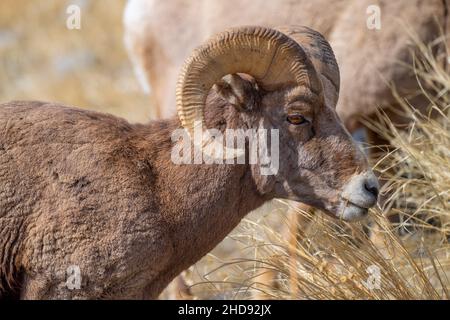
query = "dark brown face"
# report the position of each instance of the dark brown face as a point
(319, 164)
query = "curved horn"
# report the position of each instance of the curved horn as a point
(269, 56)
(321, 55)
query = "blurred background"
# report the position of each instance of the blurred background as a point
(41, 59)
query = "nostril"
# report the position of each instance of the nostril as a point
(362, 190)
(372, 189)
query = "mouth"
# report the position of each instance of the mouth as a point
(351, 212)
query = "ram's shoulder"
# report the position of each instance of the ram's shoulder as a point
(34, 121)
(56, 140)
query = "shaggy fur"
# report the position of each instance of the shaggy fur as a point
(91, 190)
(87, 189)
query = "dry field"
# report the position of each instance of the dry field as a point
(41, 59)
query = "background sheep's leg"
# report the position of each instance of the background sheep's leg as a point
(298, 223)
(178, 289)
(298, 220)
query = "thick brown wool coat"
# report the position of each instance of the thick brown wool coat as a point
(88, 189)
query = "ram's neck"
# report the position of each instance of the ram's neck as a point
(201, 203)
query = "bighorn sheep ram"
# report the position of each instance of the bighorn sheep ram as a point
(91, 191)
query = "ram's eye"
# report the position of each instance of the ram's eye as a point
(297, 119)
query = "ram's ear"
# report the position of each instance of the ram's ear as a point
(242, 93)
